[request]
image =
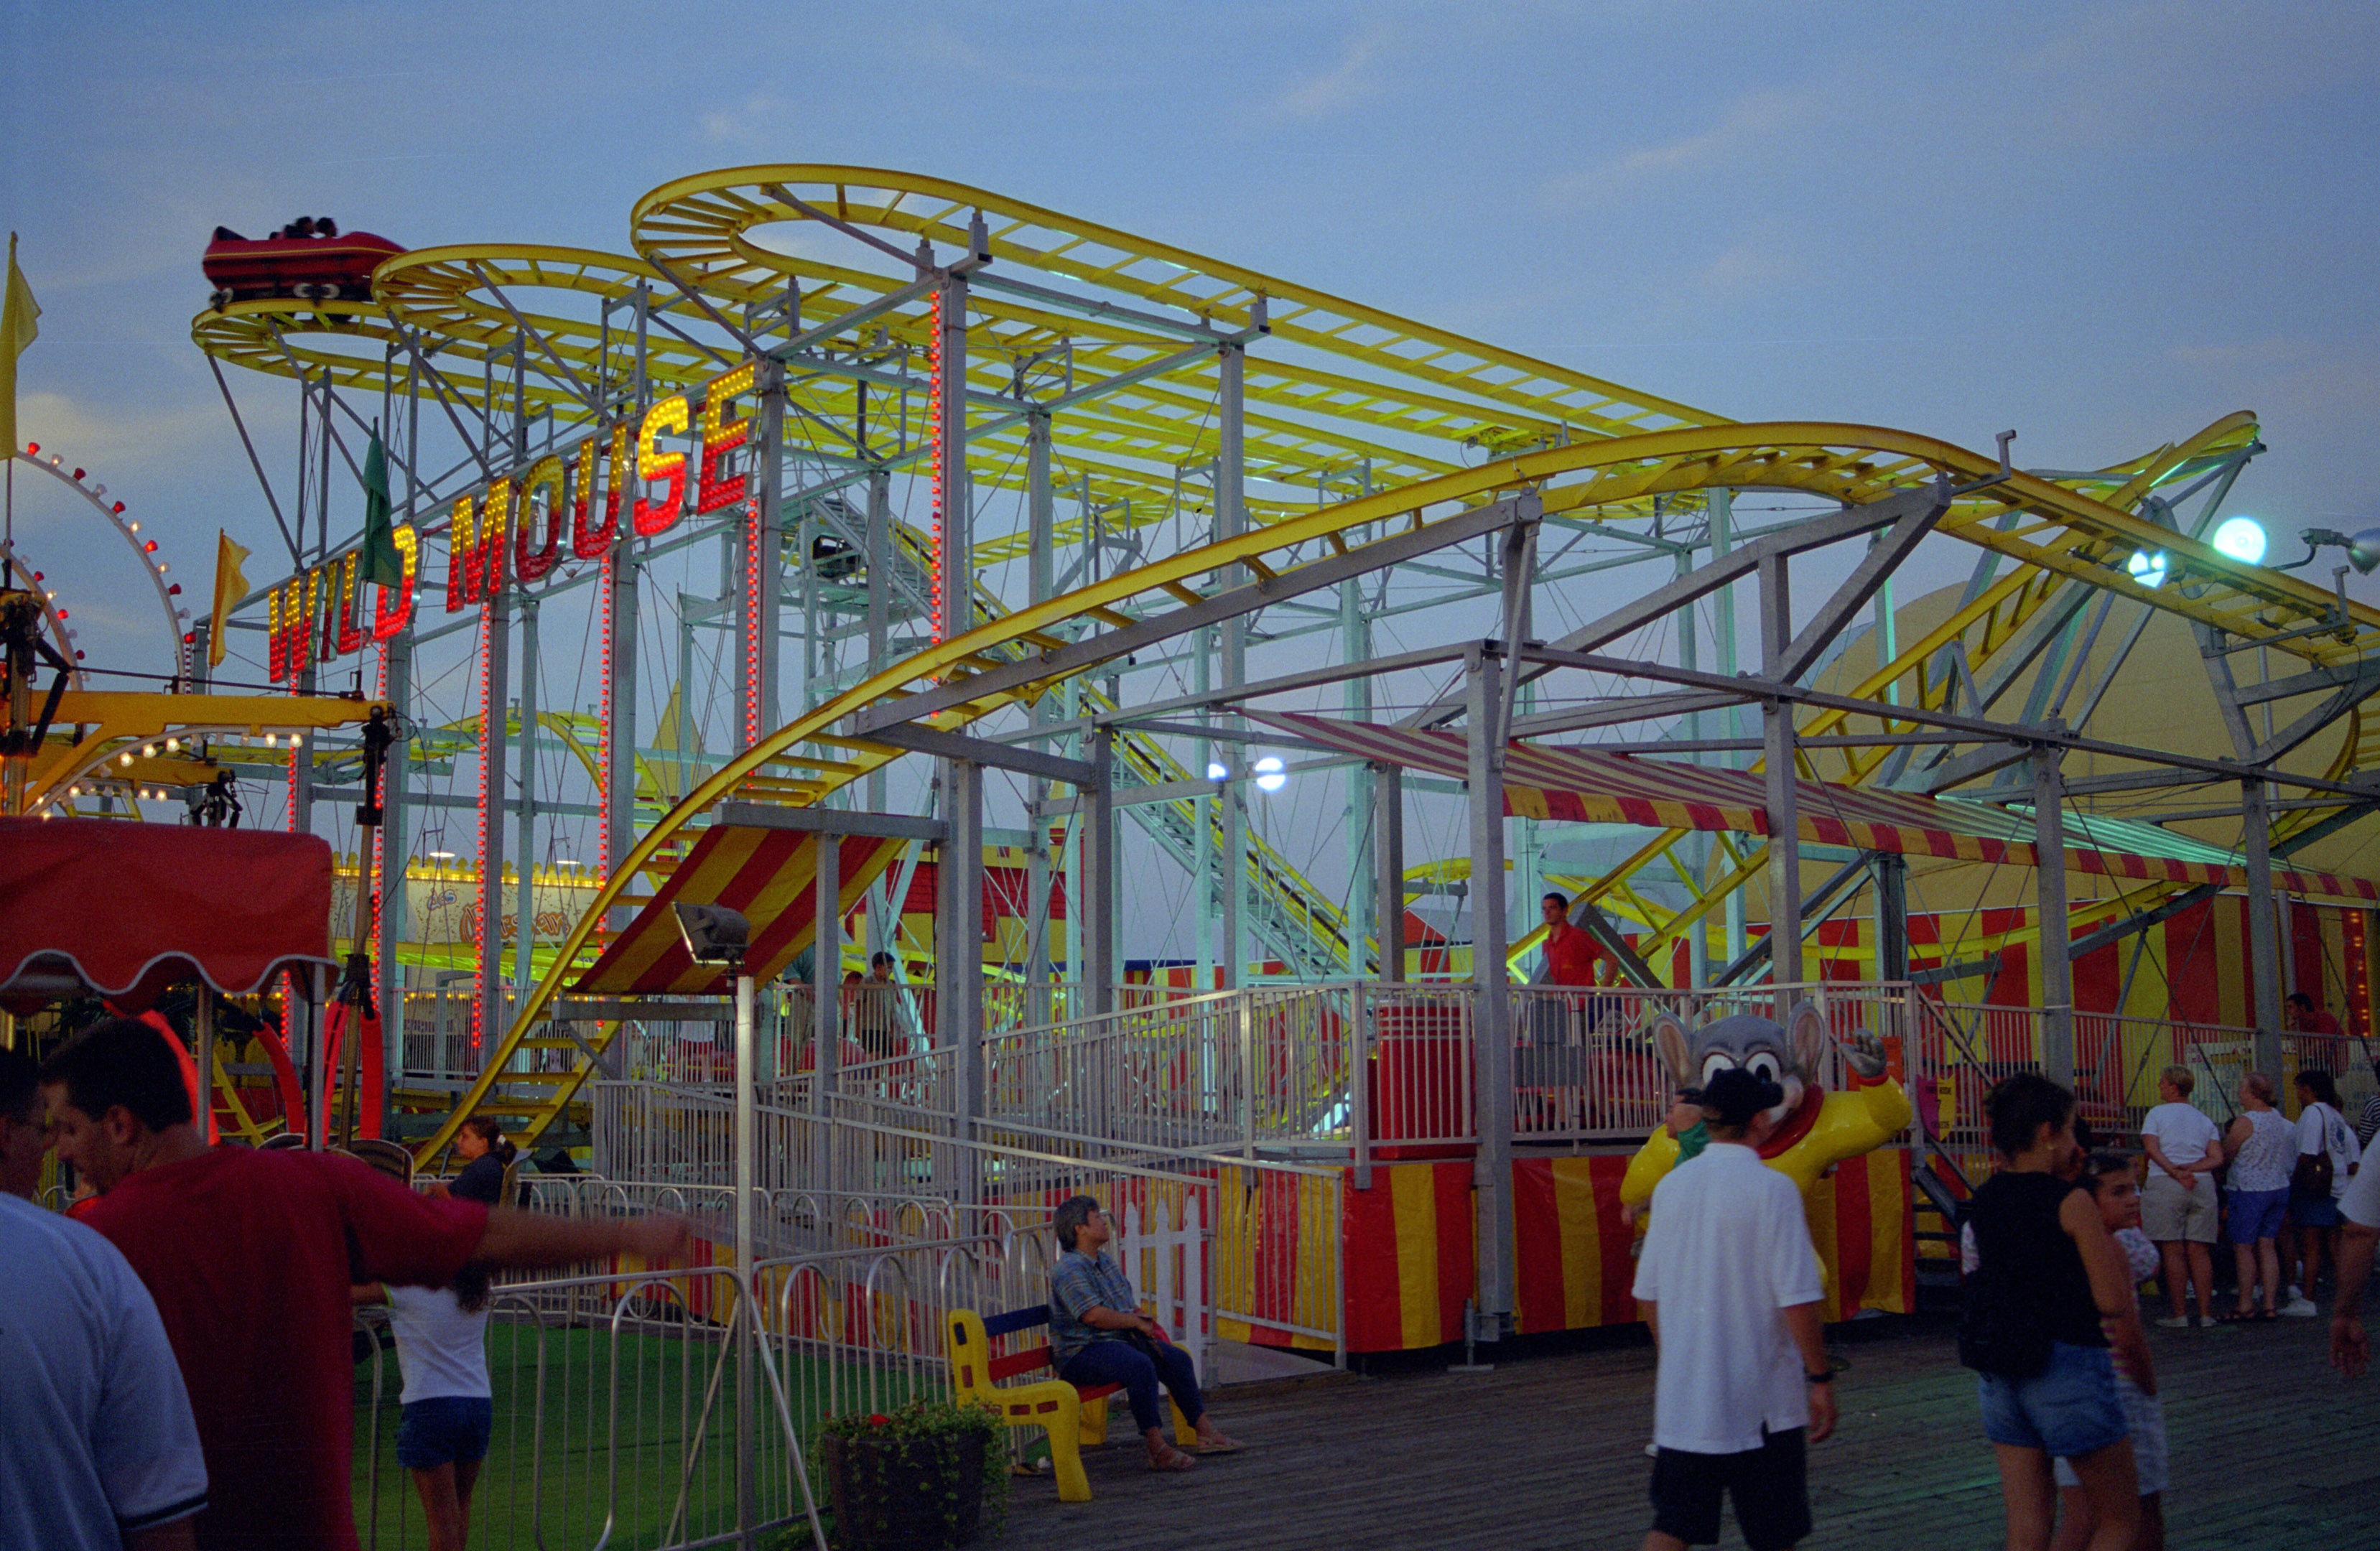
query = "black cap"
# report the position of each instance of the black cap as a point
(1735, 1095)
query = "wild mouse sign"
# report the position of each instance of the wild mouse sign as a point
(510, 531)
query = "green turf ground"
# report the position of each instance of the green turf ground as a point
(553, 1488)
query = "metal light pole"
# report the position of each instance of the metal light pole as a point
(715, 934)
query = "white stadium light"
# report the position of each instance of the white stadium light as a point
(1271, 776)
(2242, 538)
(1217, 770)
(2149, 570)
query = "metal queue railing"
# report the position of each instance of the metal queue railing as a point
(848, 1171)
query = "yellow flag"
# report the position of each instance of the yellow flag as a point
(20, 323)
(231, 587)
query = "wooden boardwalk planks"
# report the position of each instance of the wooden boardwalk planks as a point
(2270, 1449)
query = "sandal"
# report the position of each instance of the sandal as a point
(2266, 1317)
(2241, 1316)
(1172, 1459)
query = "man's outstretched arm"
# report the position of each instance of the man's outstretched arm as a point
(528, 1240)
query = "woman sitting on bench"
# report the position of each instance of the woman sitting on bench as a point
(1097, 1336)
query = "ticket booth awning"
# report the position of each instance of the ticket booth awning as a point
(125, 909)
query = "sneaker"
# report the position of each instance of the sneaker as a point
(2300, 1307)
(2177, 1322)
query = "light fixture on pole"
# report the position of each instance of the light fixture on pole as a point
(716, 935)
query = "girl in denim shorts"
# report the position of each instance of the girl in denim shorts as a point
(2047, 1273)
(441, 1435)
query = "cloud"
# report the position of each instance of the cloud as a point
(760, 119)
(121, 436)
(1344, 84)
(1752, 124)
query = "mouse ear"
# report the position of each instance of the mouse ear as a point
(1670, 1041)
(1805, 1031)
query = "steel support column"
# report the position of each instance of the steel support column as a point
(955, 578)
(2056, 962)
(395, 909)
(2263, 926)
(488, 1013)
(826, 1023)
(1230, 521)
(958, 942)
(1492, 1017)
(1093, 919)
(1734, 929)
(1779, 766)
(1891, 871)
(755, 674)
(1041, 569)
(619, 699)
(1389, 868)
(524, 848)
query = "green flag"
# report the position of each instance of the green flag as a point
(381, 564)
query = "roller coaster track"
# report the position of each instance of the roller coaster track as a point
(1134, 328)
(1843, 463)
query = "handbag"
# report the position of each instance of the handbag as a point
(2314, 1173)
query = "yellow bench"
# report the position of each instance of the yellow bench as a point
(1074, 1417)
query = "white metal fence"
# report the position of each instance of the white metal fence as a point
(826, 1182)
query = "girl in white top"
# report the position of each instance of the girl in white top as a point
(2321, 1130)
(449, 1409)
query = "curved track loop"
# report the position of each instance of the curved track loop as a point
(1846, 463)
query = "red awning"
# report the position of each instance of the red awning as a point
(768, 875)
(126, 909)
(1587, 785)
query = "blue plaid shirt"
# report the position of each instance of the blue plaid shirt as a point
(1079, 1282)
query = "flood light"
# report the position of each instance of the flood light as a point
(1271, 776)
(2147, 569)
(2242, 538)
(713, 933)
(1217, 770)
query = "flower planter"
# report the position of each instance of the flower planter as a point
(906, 1495)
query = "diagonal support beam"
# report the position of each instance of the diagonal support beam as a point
(1733, 566)
(978, 751)
(1921, 509)
(1326, 571)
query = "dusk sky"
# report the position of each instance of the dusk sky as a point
(2103, 225)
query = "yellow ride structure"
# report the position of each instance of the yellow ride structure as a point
(1099, 438)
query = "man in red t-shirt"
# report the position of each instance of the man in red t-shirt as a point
(249, 1256)
(2307, 1018)
(1570, 953)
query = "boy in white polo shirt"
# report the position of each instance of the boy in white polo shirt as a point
(1730, 1284)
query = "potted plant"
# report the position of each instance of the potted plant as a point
(922, 1477)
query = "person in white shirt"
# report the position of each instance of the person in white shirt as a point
(2263, 1146)
(2323, 1131)
(98, 1449)
(1730, 1284)
(2351, 1349)
(2178, 1205)
(449, 1407)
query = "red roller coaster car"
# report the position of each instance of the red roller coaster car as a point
(308, 259)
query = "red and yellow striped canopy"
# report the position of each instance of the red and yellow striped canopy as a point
(1583, 785)
(768, 875)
